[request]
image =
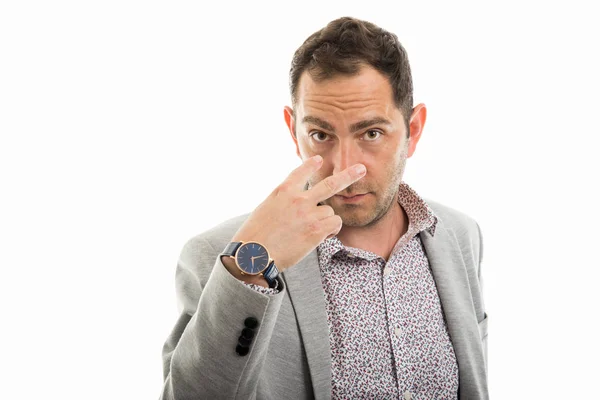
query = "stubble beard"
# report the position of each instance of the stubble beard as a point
(352, 214)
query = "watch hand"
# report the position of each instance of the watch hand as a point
(254, 257)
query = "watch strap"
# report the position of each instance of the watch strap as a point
(231, 249)
(270, 274)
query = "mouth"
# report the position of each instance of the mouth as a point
(351, 199)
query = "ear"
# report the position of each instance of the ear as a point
(288, 115)
(416, 124)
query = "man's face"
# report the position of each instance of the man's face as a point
(349, 120)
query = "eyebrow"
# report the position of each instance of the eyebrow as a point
(309, 119)
(359, 126)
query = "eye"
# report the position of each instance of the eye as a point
(372, 135)
(319, 136)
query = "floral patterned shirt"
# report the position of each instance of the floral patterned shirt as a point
(387, 330)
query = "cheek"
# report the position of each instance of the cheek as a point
(383, 174)
(305, 149)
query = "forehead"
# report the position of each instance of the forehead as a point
(369, 91)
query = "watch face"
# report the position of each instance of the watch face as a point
(252, 258)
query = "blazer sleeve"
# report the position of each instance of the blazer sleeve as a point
(483, 325)
(199, 356)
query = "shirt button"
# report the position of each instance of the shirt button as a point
(351, 256)
(407, 395)
(398, 331)
(386, 271)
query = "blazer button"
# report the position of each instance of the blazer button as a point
(244, 341)
(251, 323)
(247, 333)
(241, 350)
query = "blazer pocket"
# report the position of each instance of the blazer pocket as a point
(483, 327)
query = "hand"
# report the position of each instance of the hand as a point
(289, 223)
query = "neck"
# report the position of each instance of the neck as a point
(379, 238)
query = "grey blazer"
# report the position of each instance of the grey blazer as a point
(289, 356)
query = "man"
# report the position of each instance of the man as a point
(343, 283)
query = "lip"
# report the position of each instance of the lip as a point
(353, 199)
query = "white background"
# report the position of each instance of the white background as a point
(123, 127)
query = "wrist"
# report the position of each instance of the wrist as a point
(233, 269)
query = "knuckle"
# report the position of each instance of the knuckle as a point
(313, 227)
(350, 176)
(298, 203)
(329, 183)
(298, 200)
(281, 188)
(300, 214)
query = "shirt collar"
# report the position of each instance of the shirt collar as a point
(420, 215)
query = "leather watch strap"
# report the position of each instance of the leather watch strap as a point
(231, 249)
(270, 274)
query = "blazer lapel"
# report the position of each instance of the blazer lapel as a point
(305, 289)
(450, 275)
(304, 286)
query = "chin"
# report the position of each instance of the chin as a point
(357, 218)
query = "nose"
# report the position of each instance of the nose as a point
(346, 154)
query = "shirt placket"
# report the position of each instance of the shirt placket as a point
(389, 292)
(398, 315)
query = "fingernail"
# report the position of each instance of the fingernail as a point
(318, 158)
(360, 169)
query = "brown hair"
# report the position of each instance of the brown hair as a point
(343, 46)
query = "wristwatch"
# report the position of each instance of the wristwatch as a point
(252, 258)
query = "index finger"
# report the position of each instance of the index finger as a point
(299, 176)
(336, 183)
